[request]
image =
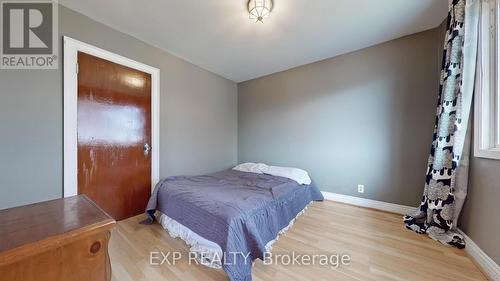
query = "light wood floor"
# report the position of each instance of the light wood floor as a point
(379, 246)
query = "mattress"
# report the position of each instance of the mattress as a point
(240, 212)
(207, 252)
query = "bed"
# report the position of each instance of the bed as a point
(232, 217)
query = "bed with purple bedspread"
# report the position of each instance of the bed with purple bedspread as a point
(239, 211)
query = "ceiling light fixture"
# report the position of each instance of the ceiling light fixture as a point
(259, 9)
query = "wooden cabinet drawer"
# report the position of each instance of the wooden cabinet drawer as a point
(74, 249)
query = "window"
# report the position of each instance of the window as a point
(487, 100)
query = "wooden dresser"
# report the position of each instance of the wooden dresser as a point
(60, 240)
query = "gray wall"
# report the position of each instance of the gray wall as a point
(362, 118)
(480, 218)
(198, 116)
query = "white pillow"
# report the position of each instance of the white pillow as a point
(298, 175)
(249, 167)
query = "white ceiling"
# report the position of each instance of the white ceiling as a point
(218, 36)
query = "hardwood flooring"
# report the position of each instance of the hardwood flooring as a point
(377, 242)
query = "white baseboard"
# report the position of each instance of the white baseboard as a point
(489, 267)
(369, 203)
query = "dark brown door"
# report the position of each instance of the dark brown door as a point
(114, 135)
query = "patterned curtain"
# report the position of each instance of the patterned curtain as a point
(445, 184)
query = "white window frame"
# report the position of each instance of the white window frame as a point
(487, 94)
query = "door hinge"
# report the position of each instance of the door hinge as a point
(76, 68)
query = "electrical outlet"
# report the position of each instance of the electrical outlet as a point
(361, 188)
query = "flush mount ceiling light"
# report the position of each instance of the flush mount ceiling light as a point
(259, 9)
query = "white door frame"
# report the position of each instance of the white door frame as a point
(71, 49)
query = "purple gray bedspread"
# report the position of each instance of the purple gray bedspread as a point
(239, 211)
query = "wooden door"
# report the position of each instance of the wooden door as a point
(114, 136)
